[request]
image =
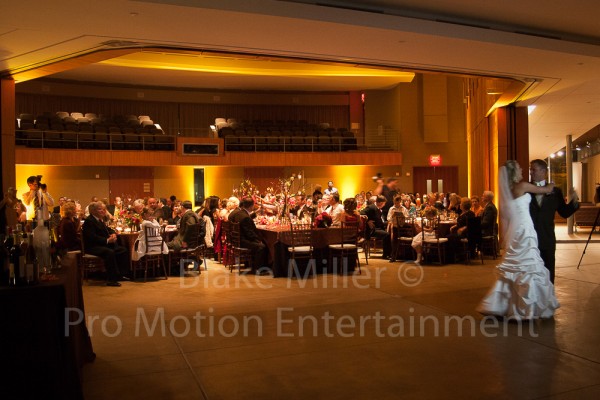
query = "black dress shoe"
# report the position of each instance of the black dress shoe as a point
(115, 284)
(124, 278)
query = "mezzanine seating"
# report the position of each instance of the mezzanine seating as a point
(289, 136)
(91, 131)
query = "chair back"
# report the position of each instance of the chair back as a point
(474, 230)
(349, 233)
(154, 239)
(301, 235)
(398, 219)
(430, 225)
(405, 226)
(234, 234)
(194, 236)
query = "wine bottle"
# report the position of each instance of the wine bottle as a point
(4, 260)
(31, 265)
(15, 260)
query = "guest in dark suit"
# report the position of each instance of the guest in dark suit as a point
(188, 218)
(101, 241)
(61, 201)
(249, 236)
(115, 209)
(459, 231)
(489, 215)
(376, 227)
(543, 208)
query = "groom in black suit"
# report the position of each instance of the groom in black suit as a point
(542, 209)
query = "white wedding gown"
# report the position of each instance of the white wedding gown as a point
(523, 289)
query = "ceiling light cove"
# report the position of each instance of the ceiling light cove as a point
(254, 67)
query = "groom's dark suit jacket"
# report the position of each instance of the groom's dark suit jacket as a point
(543, 216)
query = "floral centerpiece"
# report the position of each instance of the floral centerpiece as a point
(130, 218)
(323, 220)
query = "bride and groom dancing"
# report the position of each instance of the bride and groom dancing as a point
(524, 288)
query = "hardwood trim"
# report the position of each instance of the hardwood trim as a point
(25, 155)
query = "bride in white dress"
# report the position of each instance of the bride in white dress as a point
(523, 289)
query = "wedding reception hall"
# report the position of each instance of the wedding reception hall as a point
(299, 199)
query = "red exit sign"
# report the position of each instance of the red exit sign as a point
(435, 160)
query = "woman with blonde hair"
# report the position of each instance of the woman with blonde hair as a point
(68, 229)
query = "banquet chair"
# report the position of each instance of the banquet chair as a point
(372, 240)
(489, 244)
(348, 245)
(434, 246)
(301, 247)
(474, 237)
(225, 236)
(89, 263)
(403, 236)
(189, 252)
(238, 253)
(363, 242)
(154, 252)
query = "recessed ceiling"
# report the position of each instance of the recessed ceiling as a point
(207, 71)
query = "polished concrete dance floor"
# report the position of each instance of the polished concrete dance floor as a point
(394, 332)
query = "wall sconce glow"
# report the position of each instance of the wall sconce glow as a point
(560, 153)
(552, 155)
(530, 109)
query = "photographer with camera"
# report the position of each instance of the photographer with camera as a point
(37, 199)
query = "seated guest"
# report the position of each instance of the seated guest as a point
(408, 208)
(249, 236)
(454, 204)
(360, 202)
(376, 226)
(99, 240)
(211, 209)
(174, 220)
(307, 210)
(459, 231)
(335, 209)
(299, 201)
(476, 206)
(68, 229)
(154, 208)
(323, 204)
(188, 218)
(397, 207)
(350, 213)
(233, 203)
(57, 208)
(115, 209)
(87, 208)
(427, 231)
(139, 247)
(138, 206)
(166, 210)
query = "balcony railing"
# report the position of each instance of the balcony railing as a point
(91, 140)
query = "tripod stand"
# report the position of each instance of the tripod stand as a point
(589, 237)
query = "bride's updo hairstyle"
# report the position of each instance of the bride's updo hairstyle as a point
(511, 172)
